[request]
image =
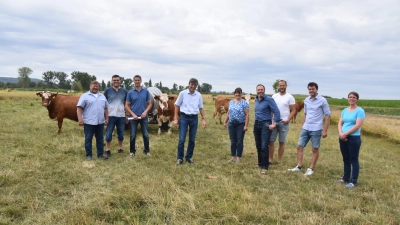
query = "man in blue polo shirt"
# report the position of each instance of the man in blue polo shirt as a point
(263, 125)
(92, 115)
(138, 104)
(315, 107)
(116, 97)
(189, 103)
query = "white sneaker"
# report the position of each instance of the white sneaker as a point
(309, 172)
(132, 154)
(263, 171)
(297, 168)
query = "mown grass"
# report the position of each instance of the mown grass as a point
(44, 178)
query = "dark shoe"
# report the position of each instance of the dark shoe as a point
(102, 157)
(108, 153)
(179, 162)
(88, 158)
(189, 161)
(120, 151)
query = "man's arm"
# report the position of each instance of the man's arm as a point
(203, 116)
(106, 116)
(144, 114)
(326, 125)
(128, 109)
(79, 111)
(177, 110)
(292, 113)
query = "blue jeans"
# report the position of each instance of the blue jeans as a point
(262, 135)
(144, 124)
(119, 122)
(97, 131)
(350, 150)
(186, 122)
(236, 134)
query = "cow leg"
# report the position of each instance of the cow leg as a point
(169, 127)
(159, 125)
(60, 122)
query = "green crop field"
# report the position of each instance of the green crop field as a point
(45, 179)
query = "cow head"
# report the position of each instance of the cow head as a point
(46, 96)
(163, 101)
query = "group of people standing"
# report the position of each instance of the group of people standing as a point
(118, 107)
(272, 118)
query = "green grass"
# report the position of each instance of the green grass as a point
(44, 178)
(366, 103)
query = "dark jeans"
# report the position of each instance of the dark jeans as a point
(144, 124)
(186, 122)
(236, 134)
(97, 131)
(350, 150)
(262, 135)
(119, 122)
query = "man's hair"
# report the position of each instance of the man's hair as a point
(193, 81)
(238, 90)
(282, 81)
(313, 84)
(114, 76)
(260, 85)
(137, 76)
(353, 93)
(94, 82)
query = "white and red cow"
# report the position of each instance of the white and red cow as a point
(166, 110)
(59, 106)
(248, 97)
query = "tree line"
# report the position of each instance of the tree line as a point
(80, 81)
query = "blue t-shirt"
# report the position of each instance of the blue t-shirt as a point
(236, 111)
(138, 100)
(116, 101)
(349, 120)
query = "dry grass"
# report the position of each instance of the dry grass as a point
(44, 178)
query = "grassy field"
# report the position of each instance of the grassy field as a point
(45, 179)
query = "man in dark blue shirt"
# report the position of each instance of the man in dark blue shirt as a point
(266, 110)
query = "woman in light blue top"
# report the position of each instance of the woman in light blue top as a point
(238, 116)
(349, 128)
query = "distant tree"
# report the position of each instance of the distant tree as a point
(128, 84)
(181, 87)
(83, 78)
(77, 86)
(275, 86)
(49, 78)
(146, 84)
(108, 84)
(150, 84)
(122, 83)
(39, 85)
(23, 76)
(174, 87)
(62, 80)
(103, 85)
(205, 88)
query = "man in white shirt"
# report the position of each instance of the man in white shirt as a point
(287, 108)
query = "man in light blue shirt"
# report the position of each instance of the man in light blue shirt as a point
(92, 115)
(315, 108)
(189, 104)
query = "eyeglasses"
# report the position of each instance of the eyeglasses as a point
(116, 81)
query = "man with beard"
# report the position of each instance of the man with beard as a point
(189, 103)
(287, 109)
(264, 107)
(92, 119)
(315, 107)
(138, 104)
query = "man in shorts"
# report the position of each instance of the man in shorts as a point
(287, 108)
(315, 107)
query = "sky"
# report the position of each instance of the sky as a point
(342, 45)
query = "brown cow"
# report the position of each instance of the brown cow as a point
(221, 107)
(299, 107)
(59, 106)
(166, 110)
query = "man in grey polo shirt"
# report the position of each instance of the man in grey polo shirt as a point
(189, 104)
(315, 107)
(92, 115)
